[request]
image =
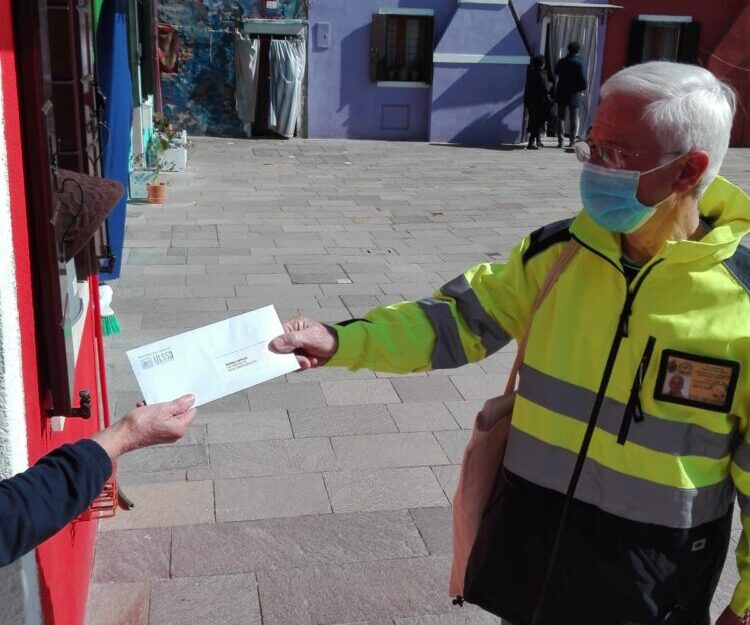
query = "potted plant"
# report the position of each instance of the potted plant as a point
(160, 141)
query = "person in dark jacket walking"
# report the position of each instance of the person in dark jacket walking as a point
(571, 83)
(536, 98)
(39, 502)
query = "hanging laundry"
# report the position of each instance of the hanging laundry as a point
(246, 54)
(169, 49)
(287, 72)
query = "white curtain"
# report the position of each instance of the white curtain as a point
(246, 53)
(585, 30)
(287, 74)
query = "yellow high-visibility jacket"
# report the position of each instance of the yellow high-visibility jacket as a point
(669, 351)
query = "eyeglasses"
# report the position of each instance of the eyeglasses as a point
(609, 155)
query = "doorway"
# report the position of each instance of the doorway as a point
(273, 81)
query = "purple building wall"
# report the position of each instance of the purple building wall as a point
(342, 102)
(479, 102)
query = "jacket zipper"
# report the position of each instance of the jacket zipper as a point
(633, 410)
(623, 327)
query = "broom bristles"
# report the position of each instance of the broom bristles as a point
(111, 325)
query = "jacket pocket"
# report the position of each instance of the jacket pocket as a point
(633, 410)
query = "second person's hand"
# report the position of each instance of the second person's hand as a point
(310, 341)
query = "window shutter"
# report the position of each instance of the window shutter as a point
(378, 47)
(687, 50)
(429, 47)
(635, 42)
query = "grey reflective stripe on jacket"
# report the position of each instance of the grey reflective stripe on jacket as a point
(741, 456)
(614, 492)
(744, 504)
(669, 437)
(492, 336)
(448, 352)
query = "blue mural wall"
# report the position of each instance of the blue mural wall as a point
(200, 96)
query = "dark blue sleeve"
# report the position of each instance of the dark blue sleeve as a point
(39, 502)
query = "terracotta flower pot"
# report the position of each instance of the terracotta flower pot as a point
(156, 192)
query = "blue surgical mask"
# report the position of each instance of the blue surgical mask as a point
(610, 197)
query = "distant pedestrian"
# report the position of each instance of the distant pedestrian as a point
(571, 83)
(537, 100)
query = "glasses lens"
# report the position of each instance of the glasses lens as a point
(583, 151)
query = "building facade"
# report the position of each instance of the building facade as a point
(711, 34)
(476, 54)
(52, 379)
(410, 70)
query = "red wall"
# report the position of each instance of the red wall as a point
(65, 561)
(724, 28)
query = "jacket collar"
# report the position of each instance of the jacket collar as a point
(724, 207)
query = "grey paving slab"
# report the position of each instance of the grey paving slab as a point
(274, 395)
(164, 459)
(247, 426)
(435, 525)
(165, 505)
(352, 392)
(270, 497)
(118, 604)
(422, 416)
(176, 475)
(453, 443)
(219, 600)
(383, 489)
(133, 555)
(465, 412)
(327, 374)
(425, 389)
(369, 451)
(285, 543)
(266, 458)
(447, 476)
(354, 592)
(341, 420)
(479, 386)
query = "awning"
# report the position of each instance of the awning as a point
(575, 8)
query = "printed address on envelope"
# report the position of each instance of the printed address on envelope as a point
(213, 361)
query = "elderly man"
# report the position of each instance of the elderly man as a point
(659, 285)
(39, 502)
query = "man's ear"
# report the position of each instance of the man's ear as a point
(692, 171)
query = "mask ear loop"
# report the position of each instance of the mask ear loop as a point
(674, 160)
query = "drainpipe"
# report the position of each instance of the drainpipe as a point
(519, 27)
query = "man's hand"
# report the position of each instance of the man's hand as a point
(730, 618)
(148, 425)
(312, 342)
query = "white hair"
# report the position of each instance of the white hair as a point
(688, 108)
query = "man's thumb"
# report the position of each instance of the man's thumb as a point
(286, 343)
(182, 404)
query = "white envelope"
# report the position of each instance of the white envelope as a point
(213, 361)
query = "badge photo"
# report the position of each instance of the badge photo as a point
(697, 381)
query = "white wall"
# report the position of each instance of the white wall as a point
(19, 592)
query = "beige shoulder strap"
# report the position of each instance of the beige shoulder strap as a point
(569, 251)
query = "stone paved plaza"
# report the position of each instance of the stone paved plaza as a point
(321, 498)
